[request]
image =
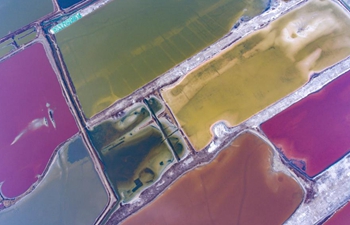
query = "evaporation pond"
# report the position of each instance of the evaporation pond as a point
(70, 192)
(234, 188)
(260, 69)
(67, 3)
(134, 157)
(15, 14)
(6, 47)
(25, 37)
(315, 129)
(34, 118)
(134, 41)
(341, 217)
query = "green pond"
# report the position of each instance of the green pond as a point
(172, 133)
(135, 162)
(134, 150)
(6, 47)
(25, 37)
(260, 69)
(110, 130)
(155, 105)
(126, 44)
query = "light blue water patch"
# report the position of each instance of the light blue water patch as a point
(66, 23)
(76, 151)
(347, 3)
(70, 193)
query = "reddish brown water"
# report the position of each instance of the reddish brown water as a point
(316, 129)
(28, 91)
(238, 187)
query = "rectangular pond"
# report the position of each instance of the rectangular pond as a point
(237, 184)
(314, 131)
(127, 43)
(6, 47)
(68, 3)
(25, 37)
(260, 69)
(134, 150)
(341, 217)
(34, 118)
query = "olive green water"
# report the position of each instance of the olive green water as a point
(172, 133)
(260, 69)
(25, 37)
(20, 39)
(15, 14)
(127, 43)
(6, 47)
(110, 130)
(134, 151)
(155, 105)
(135, 163)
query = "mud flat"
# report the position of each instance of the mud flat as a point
(135, 41)
(260, 69)
(233, 189)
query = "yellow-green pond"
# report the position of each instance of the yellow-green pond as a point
(260, 69)
(127, 43)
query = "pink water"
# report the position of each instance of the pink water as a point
(342, 217)
(28, 88)
(316, 129)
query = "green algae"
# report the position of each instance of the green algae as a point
(134, 163)
(155, 105)
(172, 133)
(133, 150)
(110, 130)
(6, 47)
(25, 37)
